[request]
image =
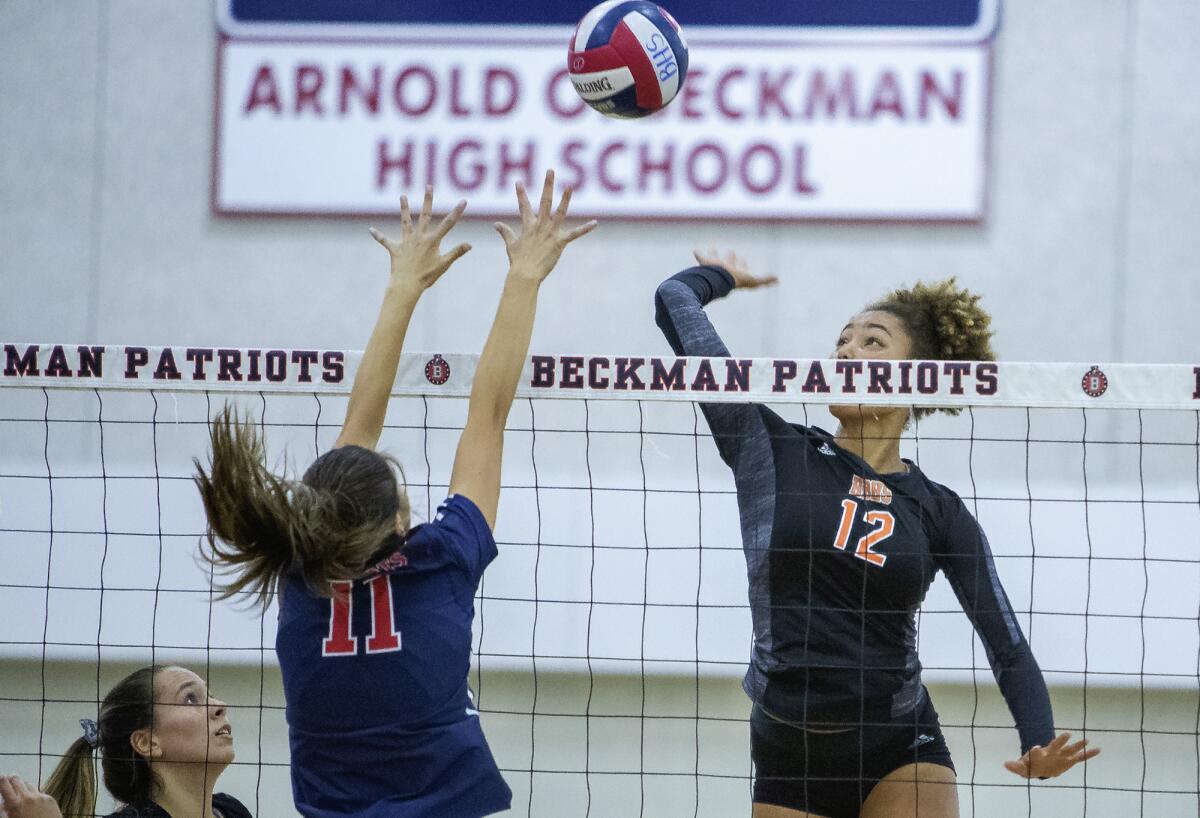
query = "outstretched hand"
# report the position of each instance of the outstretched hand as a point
(417, 260)
(1052, 760)
(20, 800)
(534, 252)
(736, 266)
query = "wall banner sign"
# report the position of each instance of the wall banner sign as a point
(816, 110)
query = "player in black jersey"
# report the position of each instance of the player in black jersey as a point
(163, 740)
(842, 539)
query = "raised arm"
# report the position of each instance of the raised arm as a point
(967, 562)
(679, 312)
(417, 263)
(532, 255)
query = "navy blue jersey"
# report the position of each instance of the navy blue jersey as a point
(379, 714)
(839, 559)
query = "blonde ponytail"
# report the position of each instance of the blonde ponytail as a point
(73, 783)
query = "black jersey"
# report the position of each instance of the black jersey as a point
(839, 558)
(226, 805)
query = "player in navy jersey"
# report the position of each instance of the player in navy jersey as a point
(374, 632)
(842, 539)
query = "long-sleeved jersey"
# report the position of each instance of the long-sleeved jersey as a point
(840, 557)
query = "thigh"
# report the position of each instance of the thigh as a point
(799, 773)
(914, 791)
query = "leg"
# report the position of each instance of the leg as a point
(773, 811)
(914, 791)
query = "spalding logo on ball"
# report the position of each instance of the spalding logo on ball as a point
(628, 58)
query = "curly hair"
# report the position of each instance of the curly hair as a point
(945, 323)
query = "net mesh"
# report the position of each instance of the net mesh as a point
(612, 632)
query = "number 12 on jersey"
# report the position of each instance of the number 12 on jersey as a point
(384, 637)
(884, 522)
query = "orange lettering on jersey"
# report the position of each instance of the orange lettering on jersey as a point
(875, 491)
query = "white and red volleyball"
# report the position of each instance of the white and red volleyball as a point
(628, 58)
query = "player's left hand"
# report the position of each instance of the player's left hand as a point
(20, 800)
(1052, 760)
(417, 260)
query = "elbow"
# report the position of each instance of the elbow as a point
(665, 287)
(489, 414)
(1016, 662)
(660, 314)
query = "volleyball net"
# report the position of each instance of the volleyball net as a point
(612, 631)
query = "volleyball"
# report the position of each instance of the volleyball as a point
(627, 58)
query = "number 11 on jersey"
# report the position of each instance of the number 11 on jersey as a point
(384, 637)
(884, 522)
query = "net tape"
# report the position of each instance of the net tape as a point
(622, 377)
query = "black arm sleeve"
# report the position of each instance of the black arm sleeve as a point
(679, 313)
(967, 562)
(679, 316)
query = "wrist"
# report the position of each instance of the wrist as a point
(403, 289)
(523, 275)
(723, 275)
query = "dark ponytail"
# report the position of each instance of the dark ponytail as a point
(127, 708)
(261, 525)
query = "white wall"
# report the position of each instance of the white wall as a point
(105, 154)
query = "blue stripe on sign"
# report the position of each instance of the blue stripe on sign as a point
(769, 13)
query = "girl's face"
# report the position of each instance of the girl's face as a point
(189, 723)
(873, 335)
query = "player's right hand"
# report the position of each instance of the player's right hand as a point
(19, 800)
(736, 266)
(417, 260)
(533, 253)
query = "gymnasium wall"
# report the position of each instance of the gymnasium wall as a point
(1086, 253)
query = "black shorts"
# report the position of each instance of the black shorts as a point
(831, 774)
